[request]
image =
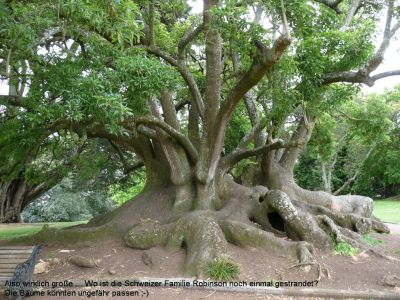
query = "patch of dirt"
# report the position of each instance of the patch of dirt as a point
(350, 273)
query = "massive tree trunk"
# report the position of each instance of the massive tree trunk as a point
(12, 196)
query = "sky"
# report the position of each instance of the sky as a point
(391, 62)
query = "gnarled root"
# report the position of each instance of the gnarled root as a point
(298, 225)
(203, 238)
(248, 236)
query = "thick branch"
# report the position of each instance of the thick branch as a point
(179, 137)
(331, 4)
(262, 63)
(385, 74)
(301, 136)
(232, 159)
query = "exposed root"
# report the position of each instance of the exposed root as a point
(198, 231)
(299, 225)
(148, 233)
(323, 270)
(379, 226)
(248, 236)
(204, 240)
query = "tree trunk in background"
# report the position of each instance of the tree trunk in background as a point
(12, 200)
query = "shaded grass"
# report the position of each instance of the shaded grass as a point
(387, 210)
(9, 231)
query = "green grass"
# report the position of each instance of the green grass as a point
(9, 231)
(371, 241)
(222, 269)
(343, 248)
(387, 210)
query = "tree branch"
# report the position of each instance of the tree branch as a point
(194, 30)
(185, 73)
(363, 74)
(385, 74)
(179, 137)
(262, 63)
(229, 161)
(331, 4)
(350, 14)
(127, 167)
(255, 130)
(11, 100)
(354, 177)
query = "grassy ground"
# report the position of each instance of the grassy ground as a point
(387, 210)
(8, 231)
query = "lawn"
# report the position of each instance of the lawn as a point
(9, 231)
(387, 210)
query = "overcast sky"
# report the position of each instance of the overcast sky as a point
(391, 62)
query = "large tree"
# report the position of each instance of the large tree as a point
(192, 96)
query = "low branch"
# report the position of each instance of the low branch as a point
(178, 136)
(229, 161)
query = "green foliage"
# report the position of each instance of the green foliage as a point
(222, 269)
(344, 136)
(324, 137)
(125, 191)
(307, 171)
(239, 125)
(346, 249)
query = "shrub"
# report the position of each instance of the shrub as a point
(222, 269)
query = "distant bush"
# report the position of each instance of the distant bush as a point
(64, 203)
